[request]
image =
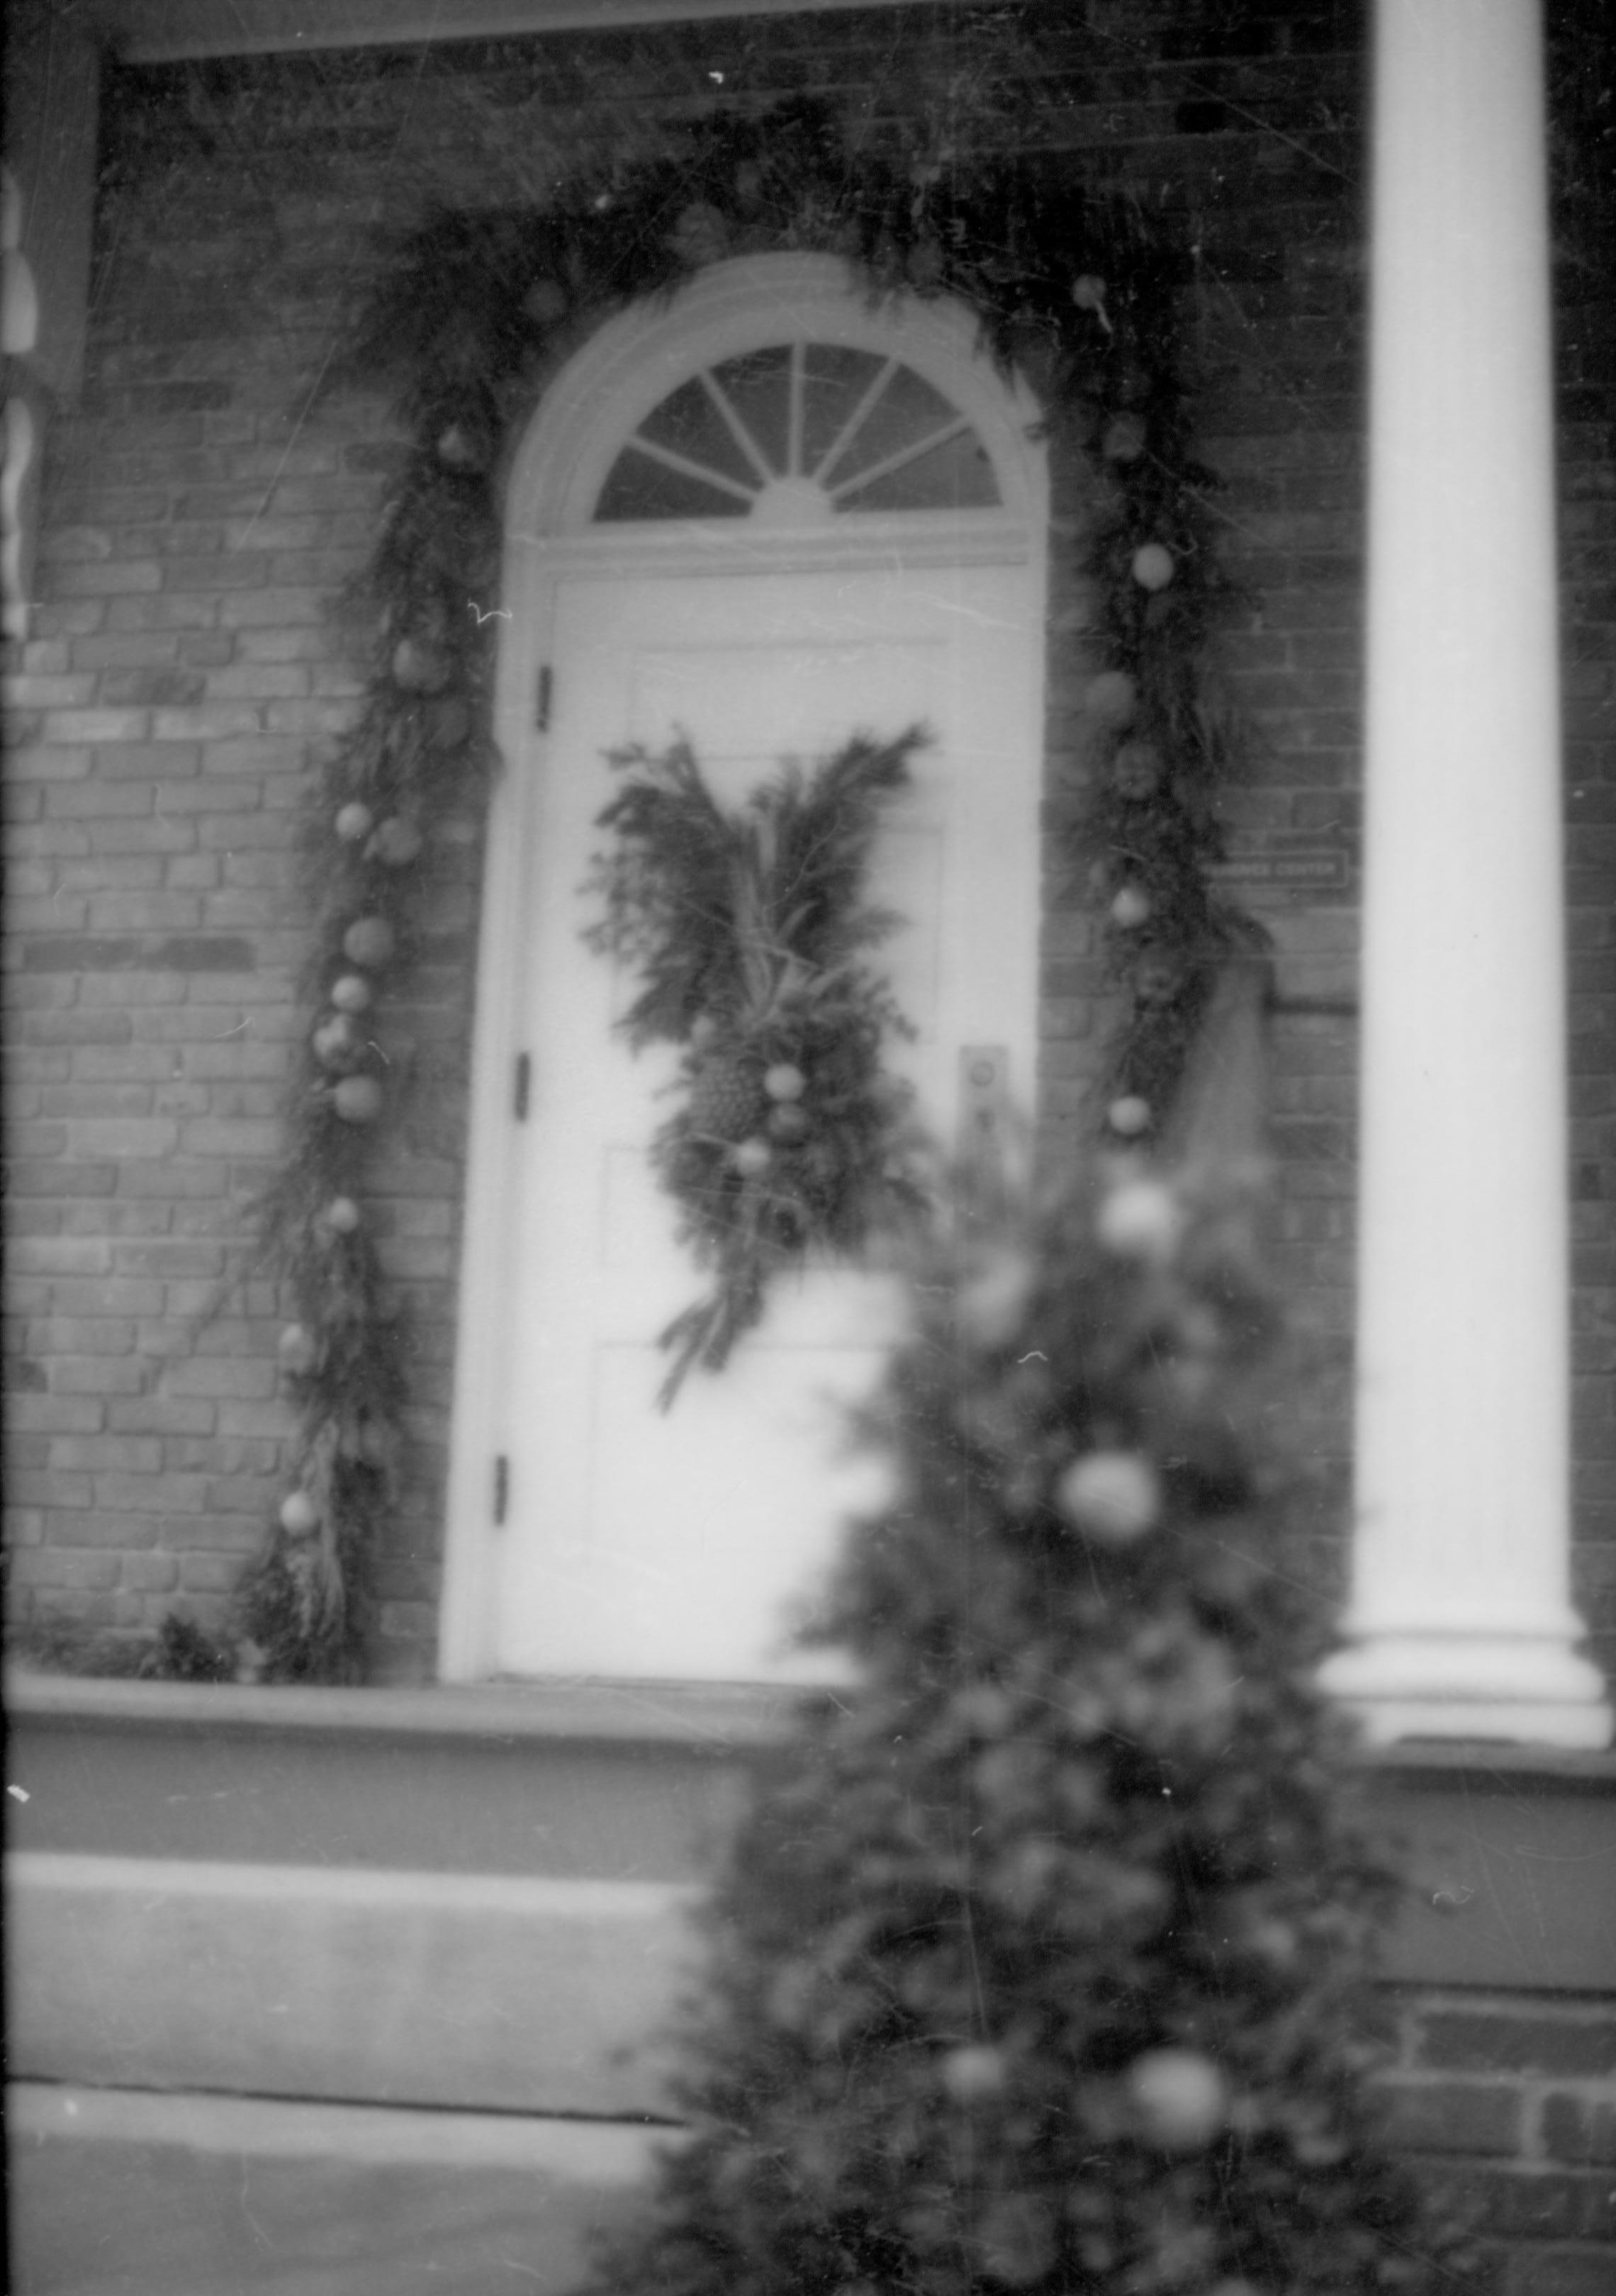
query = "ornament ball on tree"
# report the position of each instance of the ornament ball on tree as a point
(789, 1120)
(1140, 1219)
(1112, 1496)
(1179, 2099)
(752, 1157)
(993, 1298)
(1152, 566)
(972, 2074)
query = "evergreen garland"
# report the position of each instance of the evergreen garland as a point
(301, 1609)
(1039, 1970)
(749, 929)
(476, 313)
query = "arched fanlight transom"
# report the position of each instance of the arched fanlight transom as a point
(796, 434)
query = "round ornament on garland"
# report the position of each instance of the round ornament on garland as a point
(299, 1516)
(1123, 440)
(748, 929)
(358, 1099)
(369, 941)
(351, 994)
(398, 841)
(1129, 1116)
(1111, 698)
(1136, 771)
(420, 666)
(299, 1349)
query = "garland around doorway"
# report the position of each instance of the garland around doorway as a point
(1071, 289)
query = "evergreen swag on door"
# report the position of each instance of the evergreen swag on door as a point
(749, 929)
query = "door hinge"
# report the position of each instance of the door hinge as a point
(546, 691)
(502, 1487)
(522, 1087)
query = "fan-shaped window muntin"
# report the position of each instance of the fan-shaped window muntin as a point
(794, 434)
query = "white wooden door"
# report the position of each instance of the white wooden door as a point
(673, 1546)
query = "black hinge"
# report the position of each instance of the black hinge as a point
(546, 688)
(522, 1089)
(502, 1487)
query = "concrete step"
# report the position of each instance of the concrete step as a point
(490, 1992)
(1512, 1850)
(118, 2194)
(628, 1782)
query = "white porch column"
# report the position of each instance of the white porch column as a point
(1460, 1623)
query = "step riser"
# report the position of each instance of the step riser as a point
(479, 1992)
(196, 2195)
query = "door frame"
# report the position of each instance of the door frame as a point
(559, 464)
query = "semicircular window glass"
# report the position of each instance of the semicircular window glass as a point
(795, 435)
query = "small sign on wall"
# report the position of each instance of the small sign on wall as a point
(1285, 872)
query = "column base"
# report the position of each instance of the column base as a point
(1537, 1692)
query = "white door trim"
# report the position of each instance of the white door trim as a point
(637, 356)
(633, 361)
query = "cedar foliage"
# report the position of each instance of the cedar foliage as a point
(747, 929)
(1039, 1972)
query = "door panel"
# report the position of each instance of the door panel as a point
(644, 1544)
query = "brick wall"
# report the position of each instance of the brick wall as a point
(1507, 2101)
(207, 500)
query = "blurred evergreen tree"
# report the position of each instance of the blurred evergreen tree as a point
(1040, 1972)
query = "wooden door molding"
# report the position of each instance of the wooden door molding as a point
(626, 368)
